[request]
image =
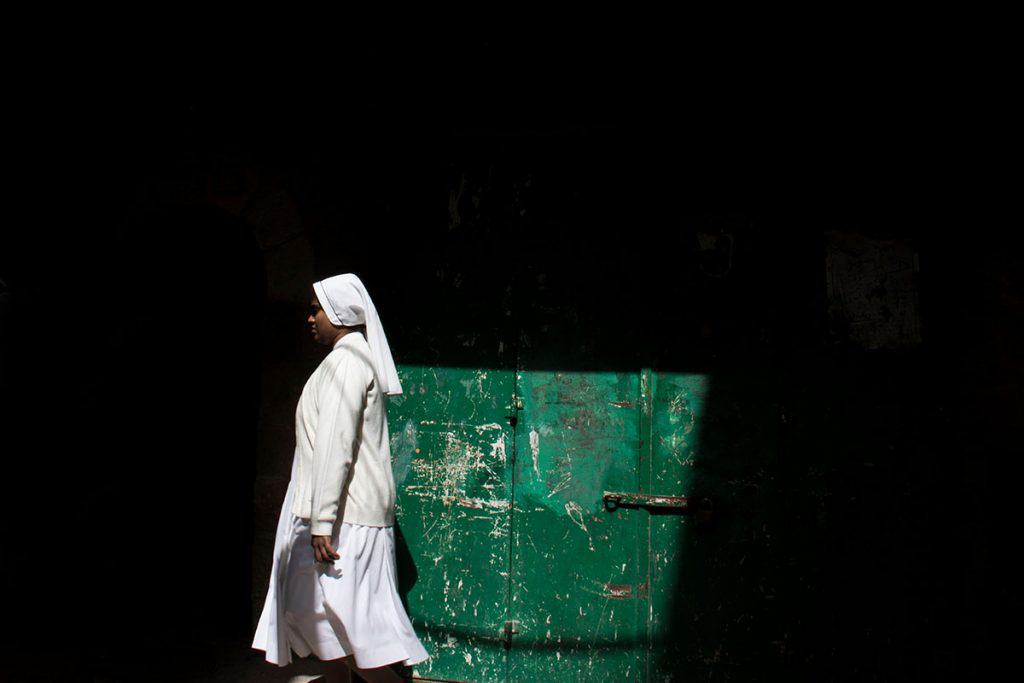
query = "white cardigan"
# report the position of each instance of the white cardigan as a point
(342, 446)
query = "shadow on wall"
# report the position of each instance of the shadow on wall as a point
(151, 457)
(820, 462)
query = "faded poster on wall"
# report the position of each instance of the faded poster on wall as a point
(872, 290)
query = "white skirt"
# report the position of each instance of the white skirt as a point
(350, 607)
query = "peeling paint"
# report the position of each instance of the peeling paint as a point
(498, 449)
(535, 451)
(528, 565)
(575, 513)
(618, 590)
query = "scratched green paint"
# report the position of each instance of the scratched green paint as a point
(594, 595)
(677, 405)
(451, 444)
(576, 568)
(712, 591)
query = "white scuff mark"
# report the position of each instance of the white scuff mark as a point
(558, 654)
(445, 478)
(568, 451)
(498, 529)
(484, 428)
(498, 449)
(468, 657)
(535, 450)
(530, 539)
(575, 513)
(623, 567)
(477, 381)
(428, 422)
(548, 620)
(426, 534)
(478, 503)
(645, 404)
(562, 485)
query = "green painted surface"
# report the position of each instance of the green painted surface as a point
(713, 588)
(505, 523)
(676, 406)
(451, 443)
(576, 568)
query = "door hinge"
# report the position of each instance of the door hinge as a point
(514, 407)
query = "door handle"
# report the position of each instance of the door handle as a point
(613, 500)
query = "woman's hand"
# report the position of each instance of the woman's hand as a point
(323, 550)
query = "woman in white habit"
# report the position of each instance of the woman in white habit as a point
(333, 583)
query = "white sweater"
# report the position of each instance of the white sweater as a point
(341, 442)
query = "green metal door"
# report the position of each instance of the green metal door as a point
(715, 576)
(579, 598)
(451, 445)
(677, 406)
(554, 586)
(522, 572)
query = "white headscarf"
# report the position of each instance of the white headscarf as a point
(346, 302)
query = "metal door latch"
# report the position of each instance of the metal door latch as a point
(614, 500)
(515, 407)
(509, 631)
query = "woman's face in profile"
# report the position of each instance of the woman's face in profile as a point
(324, 331)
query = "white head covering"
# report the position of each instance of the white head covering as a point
(346, 302)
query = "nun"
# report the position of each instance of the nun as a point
(333, 583)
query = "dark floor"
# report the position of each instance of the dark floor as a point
(230, 663)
